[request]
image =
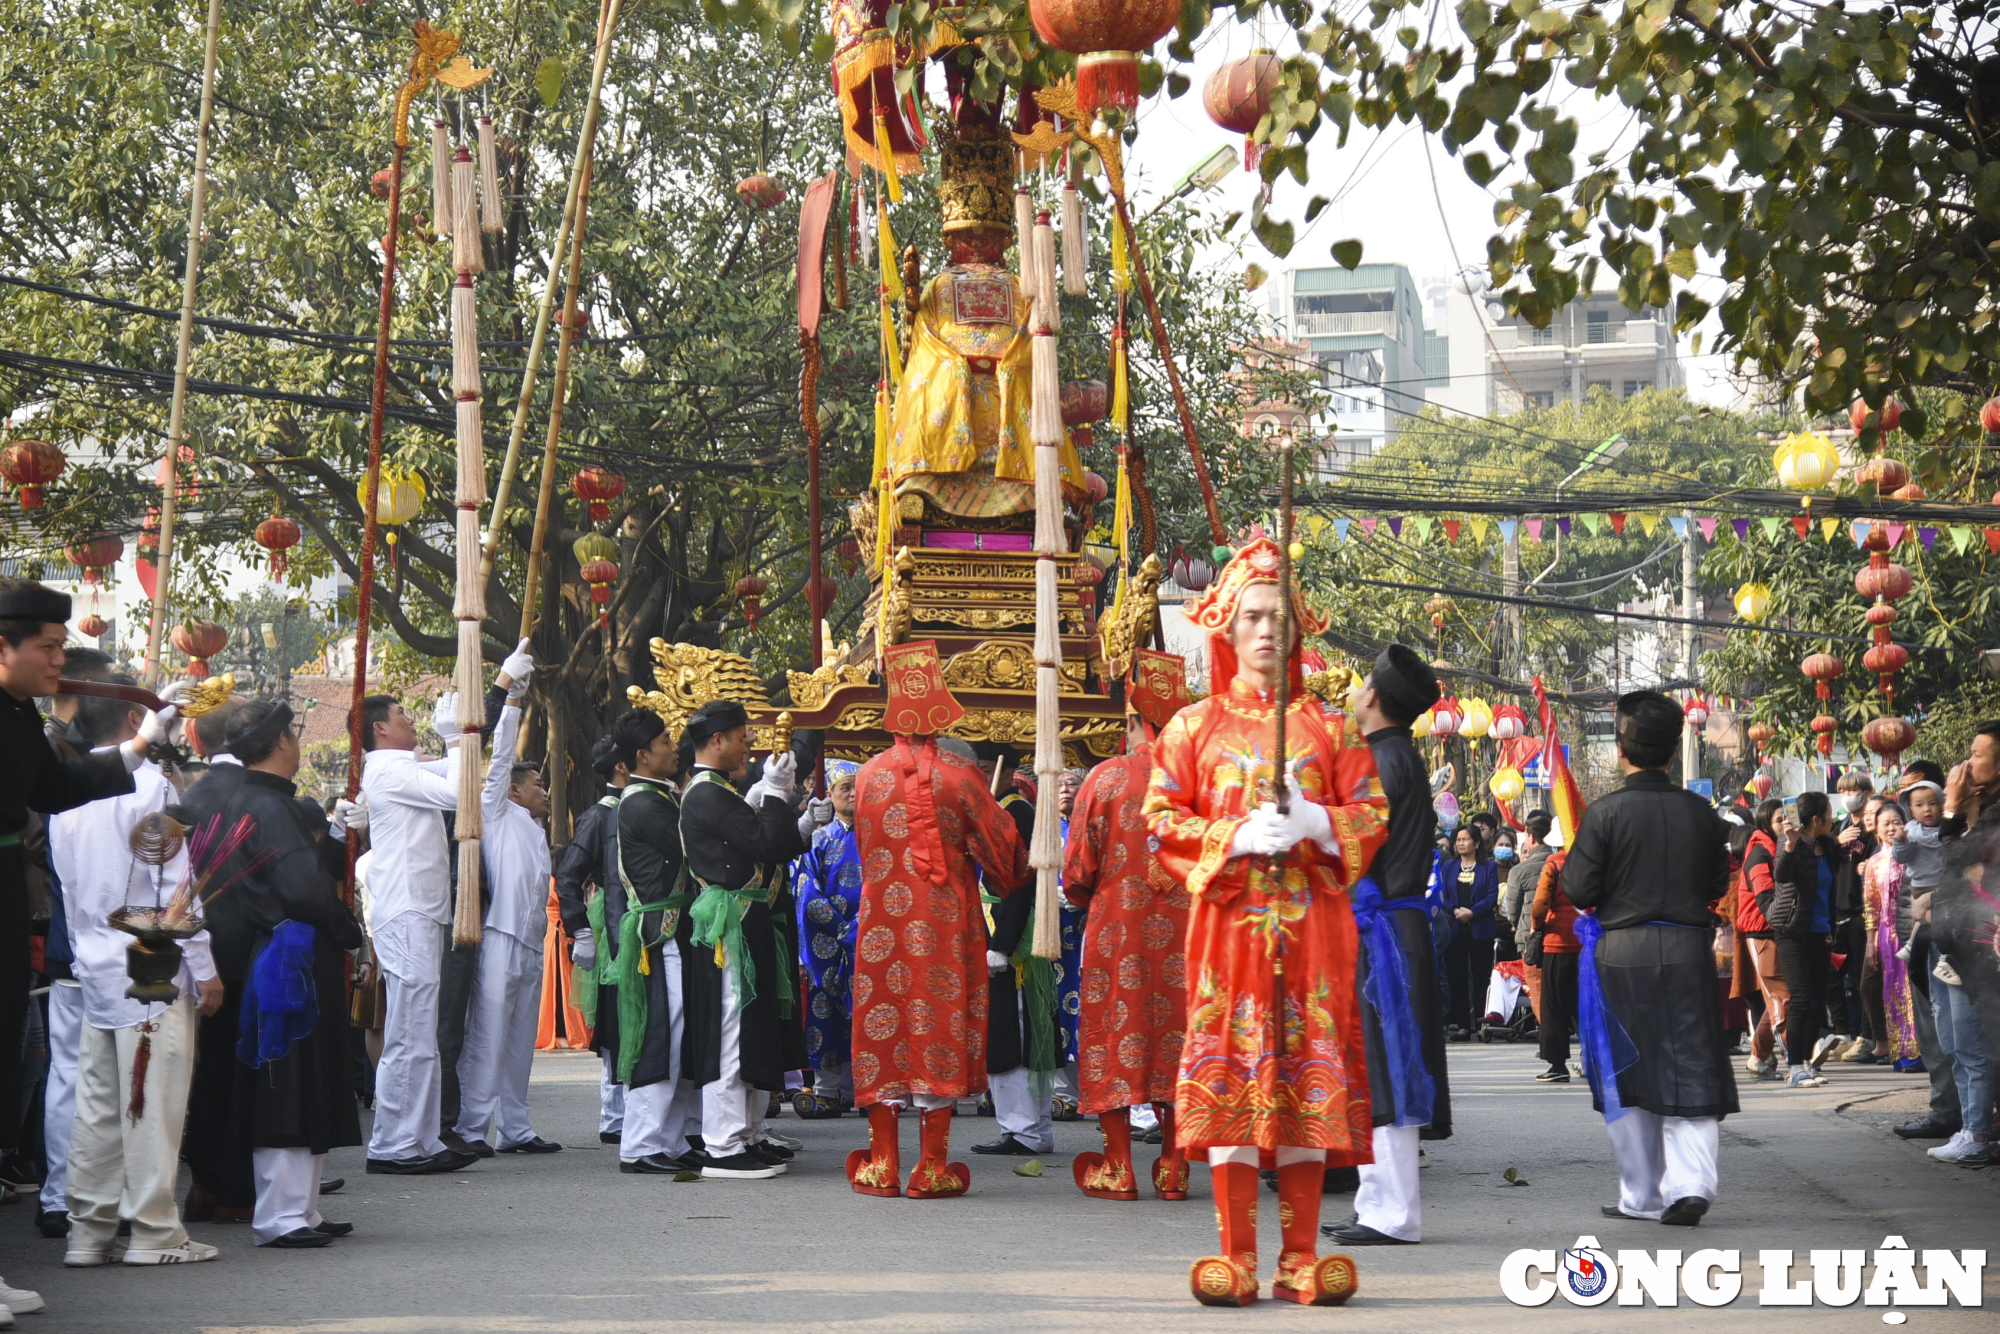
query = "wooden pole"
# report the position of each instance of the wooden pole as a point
(184, 352)
(1217, 533)
(607, 21)
(1284, 690)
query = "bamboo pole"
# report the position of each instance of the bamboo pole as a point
(184, 352)
(607, 22)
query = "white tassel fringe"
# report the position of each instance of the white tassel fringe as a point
(1076, 280)
(440, 179)
(465, 248)
(1048, 310)
(492, 213)
(465, 377)
(1024, 239)
(471, 455)
(469, 603)
(1048, 615)
(466, 928)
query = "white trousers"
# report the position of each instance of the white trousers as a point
(119, 1168)
(610, 1098)
(410, 947)
(1144, 1117)
(659, 1117)
(834, 1079)
(287, 1191)
(1390, 1198)
(1019, 1112)
(728, 1121)
(59, 1095)
(1662, 1159)
(498, 1058)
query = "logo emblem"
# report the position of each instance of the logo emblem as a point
(1588, 1276)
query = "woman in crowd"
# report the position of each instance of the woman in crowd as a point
(1473, 883)
(1885, 979)
(1804, 883)
(1755, 885)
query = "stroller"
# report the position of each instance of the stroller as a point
(1508, 1016)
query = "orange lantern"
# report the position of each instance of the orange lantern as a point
(598, 486)
(1238, 95)
(278, 535)
(200, 640)
(31, 465)
(95, 555)
(1760, 734)
(1885, 474)
(751, 589)
(1888, 419)
(92, 625)
(760, 192)
(1106, 37)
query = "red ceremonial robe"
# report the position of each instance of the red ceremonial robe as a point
(1274, 1052)
(925, 824)
(1134, 970)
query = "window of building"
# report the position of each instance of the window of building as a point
(1540, 398)
(1635, 386)
(1541, 337)
(1342, 303)
(1597, 326)
(1266, 425)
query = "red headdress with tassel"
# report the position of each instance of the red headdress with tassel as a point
(1215, 612)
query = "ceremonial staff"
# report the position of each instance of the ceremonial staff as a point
(1284, 691)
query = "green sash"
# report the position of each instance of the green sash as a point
(716, 919)
(626, 969)
(583, 981)
(1036, 980)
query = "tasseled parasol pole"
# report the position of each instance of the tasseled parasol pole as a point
(1045, 429)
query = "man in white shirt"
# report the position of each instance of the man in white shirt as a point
(409, 921)
(500, 1025)
(125, 1139)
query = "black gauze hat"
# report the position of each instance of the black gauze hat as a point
(33, 602)
(1405, 681)
(1649, 718)
(718, 715)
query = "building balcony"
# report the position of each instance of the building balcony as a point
(1305, 325)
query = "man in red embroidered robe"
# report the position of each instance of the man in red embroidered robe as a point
(925, 825)
(1133, 974)
(1273, 1068)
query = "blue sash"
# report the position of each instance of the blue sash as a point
(1607, 1048)
(1388, 990)
(280, 1004)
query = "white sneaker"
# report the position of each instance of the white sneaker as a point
(19, 1300)
(1804, 1077)
(187, 1253)
(1952, 1150)
(1751, 1065)
(783, 1141)
(6, 1318)
(78, 1257)
(1829, 1045)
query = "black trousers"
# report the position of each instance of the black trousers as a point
(16, 980)
(211, 1144)
(1806, 962)
(1558, 1005)
(1467, 965)
(461, 968)
(1846, 1009)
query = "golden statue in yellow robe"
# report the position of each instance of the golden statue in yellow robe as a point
(959, 435)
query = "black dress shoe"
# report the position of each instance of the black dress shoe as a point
(1006, 1145)
(1148, 1136)
(1333, 1229)
(333, 1229)
(535, 1145)
(609, 1137)
(1357, 1234)
(451, 1139)
(418, 1166)
(769, 1152)
(332, 1187)
(1685, 1212)
(1613, 1211)
(302, 1239)
(1928, 1128)
(451, 1161)
(52, 1222)
(653, 1164)
(478, 1148)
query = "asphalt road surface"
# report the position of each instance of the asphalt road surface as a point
(566, 1243)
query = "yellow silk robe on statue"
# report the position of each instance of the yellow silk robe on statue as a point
(960, 431)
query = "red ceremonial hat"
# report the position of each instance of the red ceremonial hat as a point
(1158, 689)
(919, 702)
(1214, 612)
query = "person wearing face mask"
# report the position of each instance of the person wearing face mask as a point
(1505, 862)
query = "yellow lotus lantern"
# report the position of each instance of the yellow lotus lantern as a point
(1507, 784)
(1422, 726)
(1478, 719)
(399, 495)
(1806, 461)
(1753, 601)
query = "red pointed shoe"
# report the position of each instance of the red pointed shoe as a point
(933, 1178)
(1170, 1178)
(1326, 1280)
(1105, 1180)
(869, 1173)
(1217, 1280)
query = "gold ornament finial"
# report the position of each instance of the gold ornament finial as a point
(436, 57)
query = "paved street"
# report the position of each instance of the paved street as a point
(565, 1243)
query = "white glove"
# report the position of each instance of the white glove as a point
(821, 811)
(996, 962)
(780, 775)
(1257, 835)
(157, 726)
(1308, 820)
(444, 718)
(1062, 897)
(348, 815)
(518, 669)
(583, 949)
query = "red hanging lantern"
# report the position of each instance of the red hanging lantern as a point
(823, 590)
(1824, 726)
(1889, 737)
(1509, 722)
(760, 192)
(597, 565)
(1885, 659)
(182, 479)
(849, 551)
(1238, 95)
(1822, 668)
(1696, 711)
(1087, 575)
(751, 589)
(1107, 38)
(1761, 784)
(1095, 486)
(1084, 402)
(1885, 474)
(599, 486)
(1881, 614)
(1887, 420)
(96, 555)
(378, 184)
(200, 640)
(1760, 734)
(92, 626)
(579, 324)
(1882, 578)
(1989, 421)
(278, 535)
(31, 465)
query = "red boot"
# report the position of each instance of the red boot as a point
(933, 1178)
(1170, 1169)
(1108, 1175)
(1230, 1279)
(878, 1169)
(1303, 1275)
